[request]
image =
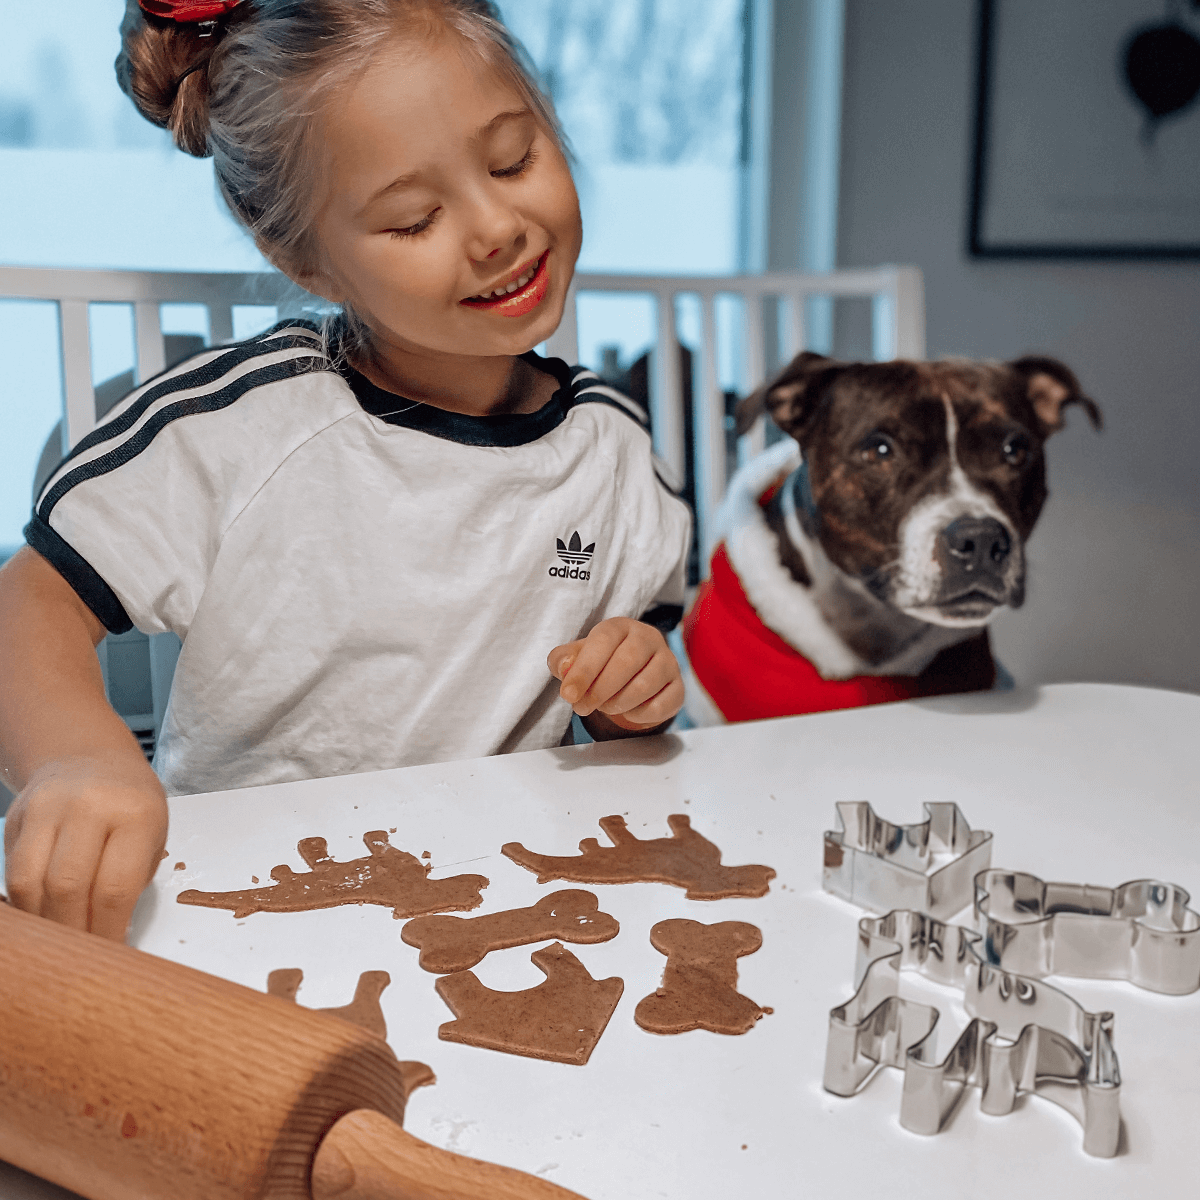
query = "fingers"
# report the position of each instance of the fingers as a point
(120, 879)
(83, 847)
(70, 869)
(27, 849)
(591, 659)
(559, 659)
(621, 667)
(655, 711)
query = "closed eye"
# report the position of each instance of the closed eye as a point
(420, 227)
(517, 168)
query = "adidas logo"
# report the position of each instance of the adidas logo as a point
(574, 554)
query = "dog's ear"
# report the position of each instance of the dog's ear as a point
(790, 397)
(1051, 386)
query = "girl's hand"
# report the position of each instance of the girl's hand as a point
(622, 678)
(83, 839)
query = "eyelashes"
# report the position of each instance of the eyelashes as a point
(426, 223)
(518, 168)
(419, 228)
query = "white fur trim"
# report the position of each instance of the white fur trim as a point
(783, 605)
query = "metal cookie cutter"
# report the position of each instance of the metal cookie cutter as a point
(1050, 1045)
(1142, 931)
(929, 866)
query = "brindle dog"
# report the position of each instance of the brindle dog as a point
(905, 524)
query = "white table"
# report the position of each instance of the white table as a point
(1079, 783)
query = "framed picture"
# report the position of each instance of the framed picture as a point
(1087, 130)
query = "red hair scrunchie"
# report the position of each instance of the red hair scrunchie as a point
(188, 12)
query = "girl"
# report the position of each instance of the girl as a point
(369, 535)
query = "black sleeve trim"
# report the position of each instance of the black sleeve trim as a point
(133, 445)
(80, 574)
(664, 617)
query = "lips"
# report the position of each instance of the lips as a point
(523, 299)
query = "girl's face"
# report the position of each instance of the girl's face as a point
(441, 190)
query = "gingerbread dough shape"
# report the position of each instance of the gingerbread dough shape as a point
(364, 1011)
(699, 983)
(386, 876)
(685, 859)
(450, 944)
(560, 1020)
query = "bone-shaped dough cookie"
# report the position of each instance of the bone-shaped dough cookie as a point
(685, 859)
(450, 944)
(699, 984)
(387, 876)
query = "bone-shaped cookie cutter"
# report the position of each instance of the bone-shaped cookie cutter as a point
(929, 866)
(1142, 931)
(1051, 1045)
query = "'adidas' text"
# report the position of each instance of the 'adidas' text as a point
(575, 556)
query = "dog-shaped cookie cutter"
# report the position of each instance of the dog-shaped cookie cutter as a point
(1142, 931)
(1051, 1044)
(929, 866)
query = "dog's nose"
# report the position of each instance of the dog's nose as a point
(976, 543)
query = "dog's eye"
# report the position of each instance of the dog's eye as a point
(877, 448)
(1015, 449)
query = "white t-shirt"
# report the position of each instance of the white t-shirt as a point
(360, 582)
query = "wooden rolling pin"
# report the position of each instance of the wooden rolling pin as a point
(127, 1077)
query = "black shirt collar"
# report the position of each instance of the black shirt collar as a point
(508, 429)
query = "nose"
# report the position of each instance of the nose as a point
(494, 226)
(976, 543)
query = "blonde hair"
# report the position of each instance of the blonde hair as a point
(250, 94)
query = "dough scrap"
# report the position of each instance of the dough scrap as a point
(386, 876)
(364, 1011)
(685, 859)
(560, 1020)
(699, 983)
(450, 944)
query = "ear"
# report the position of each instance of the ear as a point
(1051, 386)
(792, 396)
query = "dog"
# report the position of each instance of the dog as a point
(862, 558)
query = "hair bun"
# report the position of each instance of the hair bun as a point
(163, 69)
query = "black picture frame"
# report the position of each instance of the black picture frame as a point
(982, 245)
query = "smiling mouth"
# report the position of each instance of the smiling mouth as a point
(519, 296)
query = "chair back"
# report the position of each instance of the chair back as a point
(689, 417)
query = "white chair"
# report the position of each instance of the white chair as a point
(898, 331)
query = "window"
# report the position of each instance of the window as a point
(649, 92)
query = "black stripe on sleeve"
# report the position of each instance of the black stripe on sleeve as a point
(187, 407)
(202, 376)
(664, 617)
(80, 574)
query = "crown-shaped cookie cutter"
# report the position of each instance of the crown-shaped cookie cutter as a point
(1051, 1045)
(929, 866)
(1142, 931)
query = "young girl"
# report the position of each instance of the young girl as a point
(382, 543)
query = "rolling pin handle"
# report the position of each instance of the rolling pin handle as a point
(366, 1156)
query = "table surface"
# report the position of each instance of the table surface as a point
(1079, 783)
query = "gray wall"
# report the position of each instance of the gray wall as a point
(1114, 589)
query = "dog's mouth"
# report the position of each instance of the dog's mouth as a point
(975, 604)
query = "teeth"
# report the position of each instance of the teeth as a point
(515, 286)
